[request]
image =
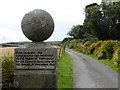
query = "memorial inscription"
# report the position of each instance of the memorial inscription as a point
(34, 59)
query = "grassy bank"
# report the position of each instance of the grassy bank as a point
(108, 63)
(104, 61)
(65, 71)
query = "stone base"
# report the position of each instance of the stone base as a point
(35, 79)
(35, 66)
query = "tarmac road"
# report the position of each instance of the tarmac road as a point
(89, 73)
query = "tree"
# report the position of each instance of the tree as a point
(77, 32)
(66, 39)
(103, 21)
(92, 22)
(111, 12)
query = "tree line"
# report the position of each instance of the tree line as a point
(102, 22)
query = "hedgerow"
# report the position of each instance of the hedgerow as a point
(108, 49)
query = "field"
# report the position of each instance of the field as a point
(7, 51)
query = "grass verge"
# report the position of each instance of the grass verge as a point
(104, 61)
(108, 63)
(65, 71)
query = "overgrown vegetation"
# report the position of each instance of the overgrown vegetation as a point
(8, 71)
(65, 71)
(107, 51)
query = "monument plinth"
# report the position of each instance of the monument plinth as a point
(36, 61)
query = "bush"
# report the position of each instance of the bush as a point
(73, 43)
(7, 64)
(106, 50)
(116, 56)
(70, 46)
(94, 47)
(84, 48)
(87, 43)
(101, 53)
(80, 47)
(8, 72)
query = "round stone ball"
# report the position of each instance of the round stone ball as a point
(37, 25)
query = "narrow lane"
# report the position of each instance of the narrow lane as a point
(89, 73)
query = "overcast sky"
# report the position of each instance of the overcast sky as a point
(65, 13)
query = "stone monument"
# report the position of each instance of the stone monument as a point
(36, 61)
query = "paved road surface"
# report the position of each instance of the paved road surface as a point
(89, 73)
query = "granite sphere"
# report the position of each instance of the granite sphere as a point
(37, 25)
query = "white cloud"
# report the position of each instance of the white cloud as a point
(65, 13)
(7, 35)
